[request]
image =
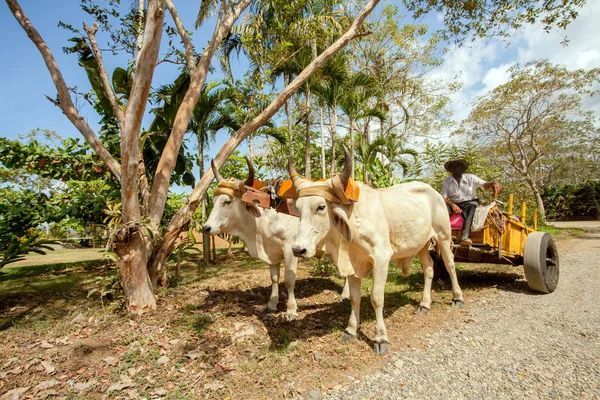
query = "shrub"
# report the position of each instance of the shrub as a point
(573, 201)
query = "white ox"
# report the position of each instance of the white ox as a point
(391, 224)
(268, 235)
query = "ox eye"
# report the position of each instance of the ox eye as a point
(227, 202)
(321, 207)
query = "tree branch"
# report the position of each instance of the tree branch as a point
(185, 38)
(65, 103)
(108, 90)
(168, 159)
(138, 99)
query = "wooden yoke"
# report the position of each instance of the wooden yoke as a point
(256, 197)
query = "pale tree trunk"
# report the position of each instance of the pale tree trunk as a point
(367, 137)
(352, 145)
(168, 159)
(288, 113)
(251, 147)
(140, 21)
(307, 167)
(137, 287)
(214, 249)
(538, 199)
(205, 236)
(333, 128)
(323, 168)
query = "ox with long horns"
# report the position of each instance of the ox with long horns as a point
(268, 235)
(394, 223)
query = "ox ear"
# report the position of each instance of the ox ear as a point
(340, 221)
(252, 210)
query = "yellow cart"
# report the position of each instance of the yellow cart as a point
(507, 239)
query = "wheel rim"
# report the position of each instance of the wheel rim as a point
(551, 274)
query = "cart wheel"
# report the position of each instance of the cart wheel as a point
(439, 269)
(540, 262)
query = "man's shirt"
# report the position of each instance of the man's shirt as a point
(466, 191)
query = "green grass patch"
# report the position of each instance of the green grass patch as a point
(554, 231)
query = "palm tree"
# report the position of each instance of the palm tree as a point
(276, 33)
(356, 100)
(330, 89)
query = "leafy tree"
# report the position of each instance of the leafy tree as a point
(487, 18)
(357, 102)
(21, 211)
(530, 120)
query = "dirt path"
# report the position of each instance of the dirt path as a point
(513, 344)
(588, 243)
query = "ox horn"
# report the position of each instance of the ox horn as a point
(348, 166)
(250, 179)
(291, 168)
(216, 171)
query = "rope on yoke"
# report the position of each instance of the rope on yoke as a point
(335, 194)
(230, 187)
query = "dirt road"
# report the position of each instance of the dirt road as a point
(509, 345)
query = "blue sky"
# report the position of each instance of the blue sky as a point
(25, 79)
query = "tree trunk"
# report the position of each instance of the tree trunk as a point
(140, 30)
(540, 203)
(205, 236)
(352, 146)
(132, 264)
(367, 137)
(214, 249)
(323, 168)
(333, 124)
(288, 113)
(178, 267)
(251, 147)
(307, 166)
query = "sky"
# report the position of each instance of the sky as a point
(481, 66)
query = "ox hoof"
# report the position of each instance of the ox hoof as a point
(422, 310)
(382, 348)
(456, 303)
(269, 310)
(347, 337)
(343, 299)
(290, 317)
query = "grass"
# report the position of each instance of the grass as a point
(60, 256)
(555, 231)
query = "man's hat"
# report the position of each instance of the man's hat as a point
(452, 164)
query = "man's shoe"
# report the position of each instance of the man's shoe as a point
(466, 243)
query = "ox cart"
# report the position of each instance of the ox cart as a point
(507, 239)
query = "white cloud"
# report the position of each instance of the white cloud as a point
(496, 76)
(584, 42)
(483, 66)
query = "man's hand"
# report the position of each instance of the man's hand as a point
(456, 209)
(496, 188)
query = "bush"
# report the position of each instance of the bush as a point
(573, 201)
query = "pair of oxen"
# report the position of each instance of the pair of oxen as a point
(362, 237)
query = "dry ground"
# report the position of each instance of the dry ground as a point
(209, 337)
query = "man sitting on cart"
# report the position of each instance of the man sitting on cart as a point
(459, 191)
